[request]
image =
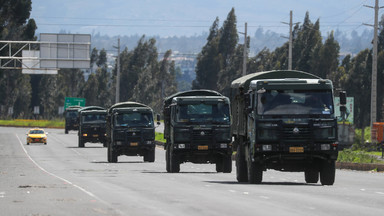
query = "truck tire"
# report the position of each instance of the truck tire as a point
(311, 175)
(105, 144)
(241, 165)
(327, 172)
(175, 163)
(112, 156)
(227, 164)
(81, 142)
(66, 130)
(255, 172)
(167, 159)
(220, 164)
(149, 156)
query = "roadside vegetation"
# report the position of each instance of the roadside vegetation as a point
(57, 123)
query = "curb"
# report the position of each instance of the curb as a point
(360, 166)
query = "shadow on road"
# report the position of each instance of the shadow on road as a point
(92, 147)
(264, 183)
(120, 162)
(154, 172)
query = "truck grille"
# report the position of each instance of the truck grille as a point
(202, 135)
(296, 133)
(134, 136)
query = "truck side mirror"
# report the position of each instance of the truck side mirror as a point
(343, 98)
(158, 119)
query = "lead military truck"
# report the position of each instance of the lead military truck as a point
(131, 131)
(197, 129)
(284, 120)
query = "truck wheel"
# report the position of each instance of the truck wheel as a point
(66, 131)
(311, 175)
(167, 159)
(220, 164)
(149, 156)
(327, 172)
(255, 172)
(105, 144)
(112, 156)
(227, 164)
(241, 165)
(175, 164)
(81, 142)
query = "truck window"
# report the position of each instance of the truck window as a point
(295, 102)
(93, 118)
(134, 119)
(218, 113)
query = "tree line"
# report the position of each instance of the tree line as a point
(220, 62)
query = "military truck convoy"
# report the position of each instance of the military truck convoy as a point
(197, 129)
(130, 131)
(284, 120)
(92, 127)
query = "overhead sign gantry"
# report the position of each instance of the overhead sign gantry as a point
(47, 56)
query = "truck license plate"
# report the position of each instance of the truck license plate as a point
(134, 144)
(204, 147)
(296, 149)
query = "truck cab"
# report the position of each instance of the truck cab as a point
(92, 126)
(131, 131)
(285, 121)
(197, 129)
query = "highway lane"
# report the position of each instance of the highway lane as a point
(61, 179)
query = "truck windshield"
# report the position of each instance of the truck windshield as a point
(215, 113)
(71, 114)
(295, 102)
(134, 119)
(93, 118)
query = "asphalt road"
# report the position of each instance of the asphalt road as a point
(61, 179)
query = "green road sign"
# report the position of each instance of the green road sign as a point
(70, 101)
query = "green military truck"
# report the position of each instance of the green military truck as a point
(131, 131)
(71, 118)
(197, 129)
(284, 120)
(92, 126)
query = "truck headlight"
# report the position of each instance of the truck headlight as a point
(223, 145)
(267, 147)
(325, 147)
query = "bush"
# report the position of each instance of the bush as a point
(347, 155)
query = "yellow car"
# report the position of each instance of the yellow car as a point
(36, 135)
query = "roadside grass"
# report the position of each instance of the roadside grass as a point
(159, 137)
(347, 155)
(56, 123)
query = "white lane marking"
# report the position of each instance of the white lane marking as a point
(264, 197)
(381, 193)
(246, 193)
(232, 191)
(362, 189)
(67, 181)
(2, 194)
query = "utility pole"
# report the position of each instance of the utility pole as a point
(290, 40)
(244, 51)
(374, 64)
(117, 99)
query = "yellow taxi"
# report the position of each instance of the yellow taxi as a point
(36, 135)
